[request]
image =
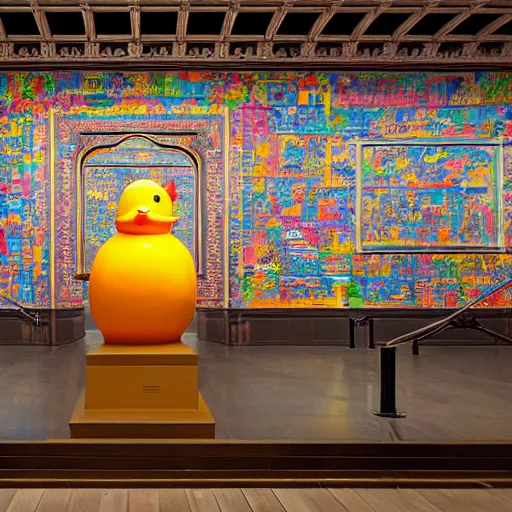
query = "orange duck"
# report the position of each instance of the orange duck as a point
(143, 284)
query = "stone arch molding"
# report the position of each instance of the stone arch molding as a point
(160, 141)
(74, 140)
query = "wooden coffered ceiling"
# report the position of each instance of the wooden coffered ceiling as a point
(256, 34)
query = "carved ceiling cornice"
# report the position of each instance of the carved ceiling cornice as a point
(488, 43)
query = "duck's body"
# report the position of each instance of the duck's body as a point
(142, 289)
(143, 285)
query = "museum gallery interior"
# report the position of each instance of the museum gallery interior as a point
(255, 255)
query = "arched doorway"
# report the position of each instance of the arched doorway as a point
(107, 170)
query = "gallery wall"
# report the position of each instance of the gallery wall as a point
(391, 190)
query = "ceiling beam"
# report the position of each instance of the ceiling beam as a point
(446, 29)
(413, 20)
(493, 26)
(323, 19)
(277, 19)
(229, 20)
(135, 46)
(369, 18)
(181, 26)
(135, 23)
(42, 22)
(246, 3)
(90, 28)
(452, 38)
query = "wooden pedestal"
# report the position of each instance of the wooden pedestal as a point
(142, 392)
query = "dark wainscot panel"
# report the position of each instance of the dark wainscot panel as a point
(56, 327)
(331, 326)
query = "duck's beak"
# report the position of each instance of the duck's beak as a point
(143, 215)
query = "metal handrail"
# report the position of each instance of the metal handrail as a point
(439, 325)
(33, 317)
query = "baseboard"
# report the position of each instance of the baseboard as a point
(143, 463)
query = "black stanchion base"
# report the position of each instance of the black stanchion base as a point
(396, 415)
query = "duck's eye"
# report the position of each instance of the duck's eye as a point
(156, 198)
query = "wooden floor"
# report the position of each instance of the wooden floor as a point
(288, 393)
(256, 500)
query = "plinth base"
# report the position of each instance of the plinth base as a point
(142, 423)
(142, 392)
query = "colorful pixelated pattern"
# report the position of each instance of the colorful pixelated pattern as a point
(312, 222)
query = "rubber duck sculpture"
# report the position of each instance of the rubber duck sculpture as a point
(143, 284)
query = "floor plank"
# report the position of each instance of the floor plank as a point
(173, 500)
(143, 500)
(308, 500)
(54, 500)
(503, 494)
(114, 501)
(352, 501)
(258, 500)
(395, 500)
(6, 497)
(262, 500)
(85, 500)
(202, 500)
(497, 501)
(26, 500)
(463, 500)
(231, 500)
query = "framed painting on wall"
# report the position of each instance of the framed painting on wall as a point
(429, 196)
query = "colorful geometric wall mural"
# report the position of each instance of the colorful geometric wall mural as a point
(394, 188)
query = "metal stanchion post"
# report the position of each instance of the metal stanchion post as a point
(415, 348)
(388, 384)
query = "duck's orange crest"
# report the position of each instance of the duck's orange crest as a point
(170, 188)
